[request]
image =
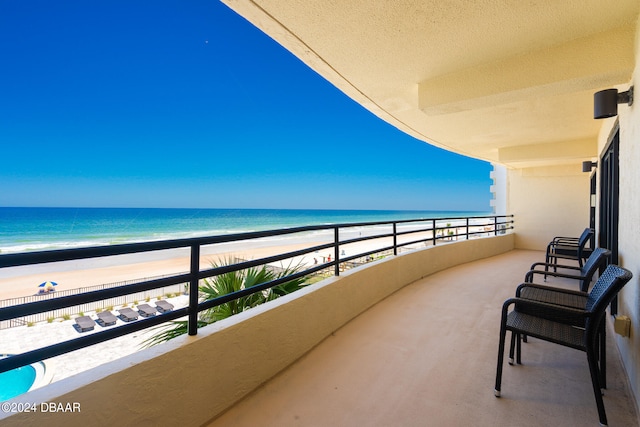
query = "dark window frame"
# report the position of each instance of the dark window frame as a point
(609, 167)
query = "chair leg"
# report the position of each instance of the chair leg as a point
(546, 268)
(519, 350)
(512, 347)
(503, 333)
(602, 343)
(595, 373)
(547, 261)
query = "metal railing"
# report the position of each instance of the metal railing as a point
(402, 234)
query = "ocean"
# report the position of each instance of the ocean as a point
(34, 229)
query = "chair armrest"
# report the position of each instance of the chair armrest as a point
(552, 246)
(565, 256)
(550, 264)
(555, 313)
(550, 289)
(565, 239)
(564, 244)
(529, 276)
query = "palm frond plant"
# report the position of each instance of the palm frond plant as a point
(227, 283)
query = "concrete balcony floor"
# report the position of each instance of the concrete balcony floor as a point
(426, 356)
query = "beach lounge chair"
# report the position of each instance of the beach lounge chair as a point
(127, 314)
(569, 327)
(84, 324)
(164, 306)
(146, 310)
(106, 318)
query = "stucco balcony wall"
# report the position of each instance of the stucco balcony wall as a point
(191, 380)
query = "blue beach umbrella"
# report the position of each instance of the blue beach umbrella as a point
(47, 285)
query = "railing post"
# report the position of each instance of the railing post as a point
(433, 231)
(395, 239)
(193, 290)
(467, 228)
(495, 225)
(336, 236)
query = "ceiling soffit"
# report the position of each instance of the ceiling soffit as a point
(588, 63)
(560, 151)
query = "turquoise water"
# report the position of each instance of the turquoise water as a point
(30, 229)
(16, 382)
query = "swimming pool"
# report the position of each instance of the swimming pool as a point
(16, 381)
(21, 380)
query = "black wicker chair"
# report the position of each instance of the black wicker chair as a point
(597, 260)
(566, 326)
(569, 248)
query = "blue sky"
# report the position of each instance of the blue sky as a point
(186, 104)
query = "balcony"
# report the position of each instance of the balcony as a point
(424, 355)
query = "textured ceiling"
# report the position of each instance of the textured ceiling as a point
(478, 78)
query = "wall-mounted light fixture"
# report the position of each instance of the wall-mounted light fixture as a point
(588, 165)
(605, 102)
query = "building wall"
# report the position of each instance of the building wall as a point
(164, 385)
(629, 222)
(547, 202)
(499, 189)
